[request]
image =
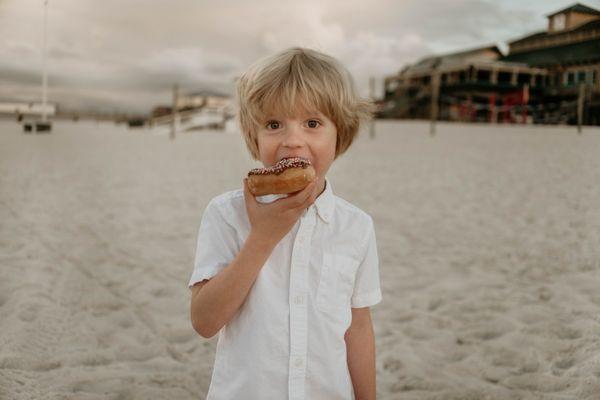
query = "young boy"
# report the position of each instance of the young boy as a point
(288, 284)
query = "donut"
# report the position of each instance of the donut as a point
(288, 175)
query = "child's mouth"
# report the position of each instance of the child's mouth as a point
(304, 158)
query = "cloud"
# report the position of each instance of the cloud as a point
(131, 52)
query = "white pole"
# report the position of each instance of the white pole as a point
(45, 73)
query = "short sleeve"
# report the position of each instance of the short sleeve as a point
(216, 247)
(367, 289)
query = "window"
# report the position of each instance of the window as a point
(392, 85)
(483, 75)
(589, 76)
(523, 78)
(539, 80)
(558, 22)
(504, 77)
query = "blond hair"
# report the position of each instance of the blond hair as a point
(300, 78)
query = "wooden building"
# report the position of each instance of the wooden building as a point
(569, 49)
(537, 81)
(474, 85)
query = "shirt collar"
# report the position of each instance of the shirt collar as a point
(324, 203)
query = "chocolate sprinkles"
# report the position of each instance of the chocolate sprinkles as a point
(281, 165)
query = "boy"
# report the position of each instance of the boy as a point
(288, 284)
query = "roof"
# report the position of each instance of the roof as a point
(451, 58)
(464, 53)
(577, 7)
(529, 37)
(573, 53)
(595, 24)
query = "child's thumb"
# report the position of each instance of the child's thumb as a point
(247, 195)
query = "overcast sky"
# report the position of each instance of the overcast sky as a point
(126, 54)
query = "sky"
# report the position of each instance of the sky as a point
(125, 55)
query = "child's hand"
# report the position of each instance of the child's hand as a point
(271, 222)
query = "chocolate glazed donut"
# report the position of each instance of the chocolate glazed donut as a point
(288, 175)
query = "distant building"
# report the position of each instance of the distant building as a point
(569, 49)
(161, 111)
(466, 78)
(538, 81)
(204, 99)
(196, 110)
(27, 109)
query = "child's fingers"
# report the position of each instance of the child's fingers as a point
(247, 195)
(304, 196)
(292, 200)
(311, 198)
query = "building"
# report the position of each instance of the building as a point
(569, 49)
(16, 108)
(473, 84)
(196, 110)
(207, 99)
(538, 81)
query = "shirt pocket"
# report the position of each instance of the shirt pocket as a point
(336, 283)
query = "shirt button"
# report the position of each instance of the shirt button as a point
(299, 362)
(301, 239)
(299, 299)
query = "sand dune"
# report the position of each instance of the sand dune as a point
(489, 242)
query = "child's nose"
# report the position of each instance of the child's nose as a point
(294, 136)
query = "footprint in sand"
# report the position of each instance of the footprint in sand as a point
(564, 363)
(553, 330)
(179, 335)
(118, 388)
(392, 365)
(535, 382)
(29, 313)
(3, 299)
(161, 292)
(29, 364)
(410, 383)
(137, 353)
(100, 308)
(123, 319)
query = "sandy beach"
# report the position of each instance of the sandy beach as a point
(488, 237)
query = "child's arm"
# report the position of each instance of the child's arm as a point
(360, 349)
(215, 302)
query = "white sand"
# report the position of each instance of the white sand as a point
(489, 241)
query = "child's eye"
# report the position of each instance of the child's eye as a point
(313, 123)
(271, 123)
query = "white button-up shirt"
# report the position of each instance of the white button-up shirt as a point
(287, 340)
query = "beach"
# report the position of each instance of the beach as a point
(488, 238)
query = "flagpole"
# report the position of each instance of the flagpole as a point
(45, 72)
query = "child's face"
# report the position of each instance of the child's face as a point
(308, 134)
